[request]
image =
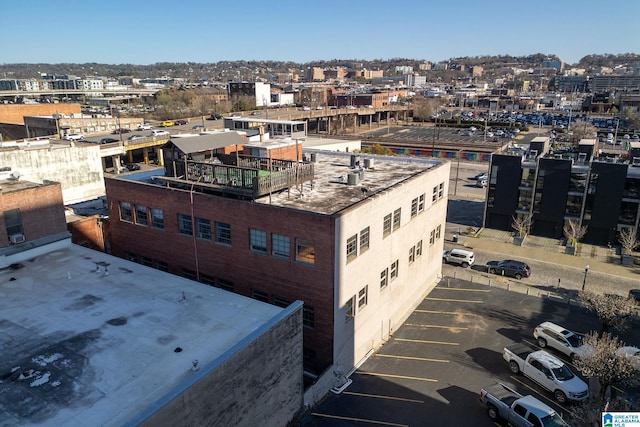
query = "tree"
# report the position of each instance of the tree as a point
(574, 232)
(522, 224)
(612, 310)
(629, 240)
(377, 149)
(584, 130)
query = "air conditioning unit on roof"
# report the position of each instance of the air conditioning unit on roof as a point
(16, 238)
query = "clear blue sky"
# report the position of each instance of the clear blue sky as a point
(148, 31)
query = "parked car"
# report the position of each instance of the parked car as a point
(179, 122)
(481, 175)
(135, 136)
(215, 117)
(144, 126)
(549, 334)
(633, 353)
(255, 113)
(197, 127)
(120, 130)
(547, 370)
(73, 136)
(517, 410)
(167, 123)
(461, 257)
(509, 267)
(132, 166)
(108, 140)
(481, 183)
(159, 132)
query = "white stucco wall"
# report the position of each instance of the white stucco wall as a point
(78, 169)
(386, 308)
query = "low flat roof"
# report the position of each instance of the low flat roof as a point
(91, 339)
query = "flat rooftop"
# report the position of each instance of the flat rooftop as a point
(90, 339)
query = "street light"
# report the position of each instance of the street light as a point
(584, 281)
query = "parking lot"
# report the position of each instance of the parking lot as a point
(431, 371)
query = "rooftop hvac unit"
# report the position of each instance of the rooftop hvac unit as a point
(368, 163)
(353, 179)
(16, 238)
(355, 160)
(635, 161)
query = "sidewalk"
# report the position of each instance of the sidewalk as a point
(601, 260)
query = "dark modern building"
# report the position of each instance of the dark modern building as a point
(599, 190)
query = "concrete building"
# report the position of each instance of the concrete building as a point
(358, 239)
(595, 187)
(91, 339)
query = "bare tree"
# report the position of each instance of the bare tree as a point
(574, 232)
(629, 240)
(602, 364)
(522, 224)
(612, 310)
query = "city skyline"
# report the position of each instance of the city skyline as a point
(207, 32)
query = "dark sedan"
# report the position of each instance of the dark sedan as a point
(509, 267)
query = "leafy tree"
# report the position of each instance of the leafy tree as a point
(377, 149)
(612, 310)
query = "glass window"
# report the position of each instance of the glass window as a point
(352, 247)
(412, 254)
(394, 269)
(434, 197)
(348, 308)
(189, 274)
(141, 215)
(207, 280)
(281, 302)
(203, 229)
(305, 251)
(362, 297)
(259, 295)
(162, 266)
(441, 190)
(364, 239)
(308, 317)
(226, 285)
(125, 212)
(438, 229)
(414, 207)
(280, 245)
(432, 237)
(384, 278)
(146, 261)
(258, 240)
(157, 218)
(184, 225)
(421, 203)
(419, 248)
(13, 222)
(396, 218)
(386, 225)
(223, 233)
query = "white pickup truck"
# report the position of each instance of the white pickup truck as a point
(547, 370)
(516, 409)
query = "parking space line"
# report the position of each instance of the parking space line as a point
(423, 359)
(456, 313)
(379, 396)
(538, 393)
(454, 300)
(461, 289)
(362, 420)
(405, 377)
(435, 326)
(426, 342)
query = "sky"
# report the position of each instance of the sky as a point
(205, 31)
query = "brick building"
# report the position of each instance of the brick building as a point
(360, 246)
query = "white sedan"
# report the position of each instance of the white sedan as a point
(73, 136)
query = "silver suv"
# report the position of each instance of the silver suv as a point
(549, 334)
(461, 257)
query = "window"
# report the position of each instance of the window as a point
(146, 261)
(130, 256)
(305, 251)
(386, 225)
(412, 254)
(162, 266)
(438, 229)
(259, 295)
(207, 280)
(348, 308)
(396, 219)
(125, 212)
(258, 240)
(352, 247)
(362, 297)
(223, 233)
(434, 197)
(520, 410)
(13, 222)
(421, 203)
(280, 245)
(188, 274)
(414, 207)
(394, 270)
(141, 215)
(226, 285)
(184, 225)
(308, 317)
(441, 190)
(203, 229)
(157, 218)
(432, 237)
(419, 248)
(384, 278)
(364, 239)
(281, 302)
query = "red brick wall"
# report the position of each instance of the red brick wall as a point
(87, 232)
(14, 113)
(41, 211)
(286, 279)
